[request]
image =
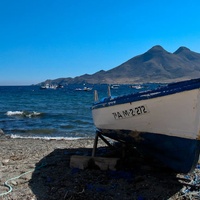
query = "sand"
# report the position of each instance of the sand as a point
(40, 170)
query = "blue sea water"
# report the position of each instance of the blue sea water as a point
(64, 113)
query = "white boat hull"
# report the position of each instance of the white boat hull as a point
(163, 126)
(173, 115)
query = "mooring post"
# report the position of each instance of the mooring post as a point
(95, 144)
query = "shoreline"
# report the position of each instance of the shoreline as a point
(50, 176)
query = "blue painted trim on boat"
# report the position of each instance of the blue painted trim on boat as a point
(179, 154)
(169, 89)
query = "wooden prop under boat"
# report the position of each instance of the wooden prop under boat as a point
(163, 123)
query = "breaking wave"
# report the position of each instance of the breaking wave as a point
(46, 138)
(23, 113)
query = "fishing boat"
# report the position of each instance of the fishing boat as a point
(115, 86)
(48, 86)
(138, 87)
(86, 89)
(163, 123)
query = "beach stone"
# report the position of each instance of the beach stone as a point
(32, 166)
(14, 196)
(5, 161)
(1, 132)
(21, 181)
(13, 183)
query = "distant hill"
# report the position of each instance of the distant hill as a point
(155, 65)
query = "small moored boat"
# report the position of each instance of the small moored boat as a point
(163, 123)
(115, 86)
(86, 89)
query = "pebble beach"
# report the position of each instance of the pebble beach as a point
(37, 169)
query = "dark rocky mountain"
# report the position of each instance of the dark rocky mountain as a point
(155, 65)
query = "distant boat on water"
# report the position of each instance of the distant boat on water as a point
(163, 123)
(49, 86)
(115, 86)
(136, 87)
(86, 89)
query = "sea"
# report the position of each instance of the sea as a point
(63, 113)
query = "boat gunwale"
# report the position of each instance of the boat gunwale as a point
(169, 89)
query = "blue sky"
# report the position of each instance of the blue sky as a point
(49, 39)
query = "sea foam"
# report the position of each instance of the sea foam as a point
(23, 113)
(11, 113)
(46, 138)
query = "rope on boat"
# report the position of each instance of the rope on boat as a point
(10, 187)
